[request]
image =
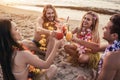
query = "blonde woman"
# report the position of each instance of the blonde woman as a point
(86, 39)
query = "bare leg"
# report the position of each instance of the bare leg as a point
(49, 46)
(80, 77)
(83, 58)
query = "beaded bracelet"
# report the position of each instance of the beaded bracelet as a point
(36, 43)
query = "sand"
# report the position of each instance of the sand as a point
(26, 21)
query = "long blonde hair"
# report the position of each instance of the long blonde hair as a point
(94, 26)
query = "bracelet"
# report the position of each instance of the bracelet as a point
(36, 43)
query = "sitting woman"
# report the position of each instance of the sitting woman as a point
(86, 39)
(48, 22)
(15, 60)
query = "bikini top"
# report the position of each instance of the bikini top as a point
(23, 74)
(23, 71)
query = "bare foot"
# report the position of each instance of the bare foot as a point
(49, 73)
(80, 77)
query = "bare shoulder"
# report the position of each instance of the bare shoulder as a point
(111, 67)
(30, 45)
(40, 19)
(115, 54)
(113, 57)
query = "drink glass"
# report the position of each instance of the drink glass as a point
(68, 37)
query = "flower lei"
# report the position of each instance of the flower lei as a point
(32, 72)
(50, 26)
(84, 35)
(114, 47)
(43, 42)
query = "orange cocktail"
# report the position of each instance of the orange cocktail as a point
(69, 36)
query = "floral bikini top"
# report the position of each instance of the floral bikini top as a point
(84, 35)
(114, 47)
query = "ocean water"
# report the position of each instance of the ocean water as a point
(54, 1)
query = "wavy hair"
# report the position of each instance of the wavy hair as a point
(94, 26)
(49, 6)
(6, 48)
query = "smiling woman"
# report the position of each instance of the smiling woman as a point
(11, 51)
(87, 32)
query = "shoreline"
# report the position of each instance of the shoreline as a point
(106, 11)
(108, 7)
(95, 9)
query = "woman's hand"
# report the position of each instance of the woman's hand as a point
(37, 36)
(75, 39)
(53, 33)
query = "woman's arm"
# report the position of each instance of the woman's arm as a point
(75, 30)
(35, 61)
(40, 22)
(95, 47)
(40, 30)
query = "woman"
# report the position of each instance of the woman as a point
(86, 40)
(48, 22)
(15, 60)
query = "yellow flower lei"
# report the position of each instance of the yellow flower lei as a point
(50, 25)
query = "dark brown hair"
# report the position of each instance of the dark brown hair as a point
(6, 48)
(115, 28)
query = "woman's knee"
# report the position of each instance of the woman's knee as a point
(83, 58)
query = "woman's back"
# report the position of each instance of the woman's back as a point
(14, 59)
(20, 69)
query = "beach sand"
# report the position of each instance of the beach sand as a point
(26, 21)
